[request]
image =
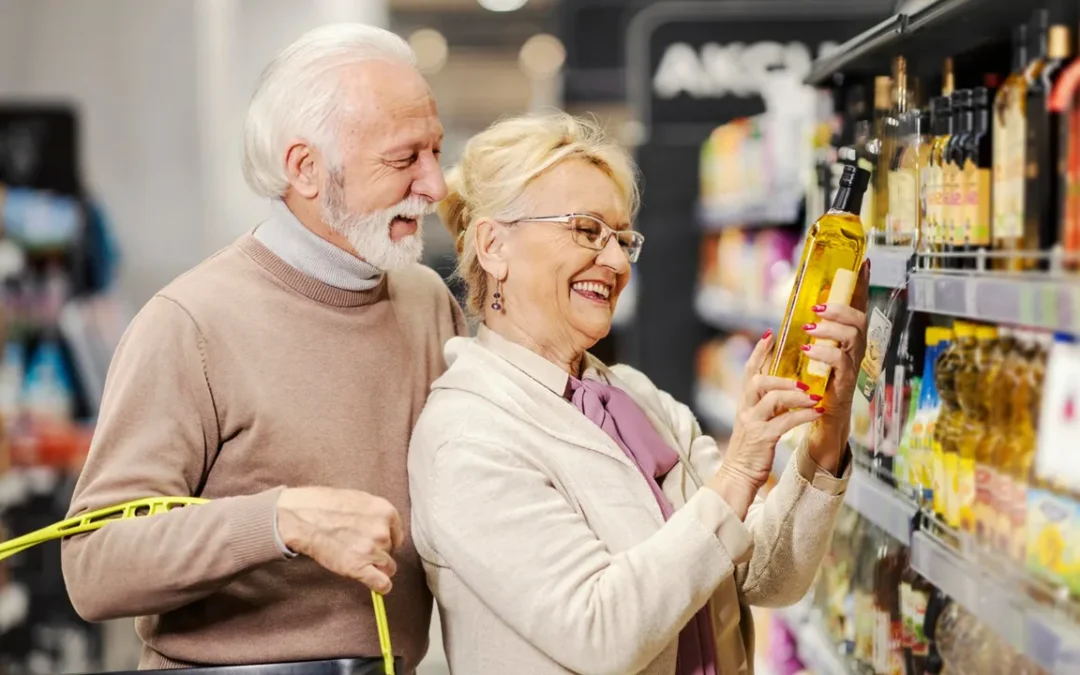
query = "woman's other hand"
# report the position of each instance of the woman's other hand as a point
(846, 325)
(769, 408)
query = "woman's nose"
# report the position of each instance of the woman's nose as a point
(613, 256)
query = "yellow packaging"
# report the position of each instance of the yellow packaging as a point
(965, 494)
(1049, 525)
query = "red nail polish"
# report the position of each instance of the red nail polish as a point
(766, 334)
(814, 397)
(809, 326)
(805, 348)
(817, 309)
(819, 410)
(802, 385)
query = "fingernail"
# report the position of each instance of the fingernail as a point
(819, 410)
(809, 326)
(766, 334)
(817, 309)
(802, 385)
(805, 348)
(815, 398)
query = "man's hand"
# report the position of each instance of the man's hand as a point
(350, 533)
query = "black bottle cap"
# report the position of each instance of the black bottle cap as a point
(855, 177)
(980, 97)
(961, 99)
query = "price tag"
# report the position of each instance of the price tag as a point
(1026, 307)
(1049, 303)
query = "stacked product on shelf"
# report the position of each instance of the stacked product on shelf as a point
(61, 320)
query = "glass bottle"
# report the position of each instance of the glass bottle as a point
(882, 148)
(952, 172)
(945, 380)
(978, 167)
(832, 254)
(1010, 116)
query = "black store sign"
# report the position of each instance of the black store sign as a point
(695, 65)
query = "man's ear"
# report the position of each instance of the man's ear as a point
(491, 248)
(301, 168)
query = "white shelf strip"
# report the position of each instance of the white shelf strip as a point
(1049, 639)
(1036, 301)
(889, 265)
(881, 505)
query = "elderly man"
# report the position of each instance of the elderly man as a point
(299, 356)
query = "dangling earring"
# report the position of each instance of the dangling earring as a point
(497, 306)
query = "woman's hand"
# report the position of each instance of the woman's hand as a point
(847, 326)
(769, 408)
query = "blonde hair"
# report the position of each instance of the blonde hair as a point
(500, 162)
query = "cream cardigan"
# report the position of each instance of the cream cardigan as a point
(547, 552)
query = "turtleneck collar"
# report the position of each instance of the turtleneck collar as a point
(287, 238)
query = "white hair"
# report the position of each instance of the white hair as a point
(297, 96)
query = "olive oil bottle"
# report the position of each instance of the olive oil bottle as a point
(941, 118)
(978, 162)
(832, 254)
(956, 156)
(883, 146)
(1010, 108)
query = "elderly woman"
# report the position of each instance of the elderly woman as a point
(571, 516)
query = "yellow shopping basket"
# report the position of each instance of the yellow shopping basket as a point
(151, 506)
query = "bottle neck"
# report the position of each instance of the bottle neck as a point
(1021, 58)
(967, 121)
(982, 119)
(848, 200)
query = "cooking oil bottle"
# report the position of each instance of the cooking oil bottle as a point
(935, 198)
(996, 406)
(945, 380)
(969, 381)
(953, 423)
(922, 426)
(831, 257)
(1019, 452)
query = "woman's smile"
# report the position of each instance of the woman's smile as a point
(595, 291)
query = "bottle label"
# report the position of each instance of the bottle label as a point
(984, 503)
(939, 477)
(1048, 529)
(1013, 222)
(965, 493)
(1018, 520)
(933, 205)
(1071, 212)
(1001, 138)
(969, 203)
(952, 488)
(920, 646)
(878, 333)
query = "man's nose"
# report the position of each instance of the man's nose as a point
(430, 182)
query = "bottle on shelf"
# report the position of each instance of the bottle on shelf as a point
(976, 182)
(866, 159)
(954, 422)
(883, 144)
(969, 383)
(924, 425)
(1064, 102)
(945, 380)
(936, 194)
(914, 595)
(902, 182)
(957, 152)
(832, 253)
(994, 401)
(1018, 452)
(1041, 206)
(1010, 141)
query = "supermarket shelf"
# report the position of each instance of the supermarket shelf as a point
(816, 650)
(724, 311)
(1032, 300)
(938, 29)
(881, 505)
(715, 408)
(1046, 637)
(889, 266)
(771, 211)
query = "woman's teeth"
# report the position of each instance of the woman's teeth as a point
(591, 287)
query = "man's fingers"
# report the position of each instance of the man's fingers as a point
(397, 531)
(374, 579)
(781, 424)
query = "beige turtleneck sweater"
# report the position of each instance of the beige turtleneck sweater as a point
(243, 376)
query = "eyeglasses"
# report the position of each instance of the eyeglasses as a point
(592, 233)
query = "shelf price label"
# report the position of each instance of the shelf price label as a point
(1049, 306)
(1027, 306)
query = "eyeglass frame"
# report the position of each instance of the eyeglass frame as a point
(609, 231)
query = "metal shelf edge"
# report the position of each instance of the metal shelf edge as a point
(879, 503)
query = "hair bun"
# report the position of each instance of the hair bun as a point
(454, 208)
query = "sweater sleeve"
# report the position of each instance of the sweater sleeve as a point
(791, 527)
(535, 561)
(157, 434)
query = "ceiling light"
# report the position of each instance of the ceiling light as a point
(542, 56)
(502, 5)
(430, 48)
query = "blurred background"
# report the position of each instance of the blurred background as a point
(120, 137)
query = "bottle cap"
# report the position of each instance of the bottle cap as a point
(964, 329)
(980, 97)
(984, 332)
(855, 177)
